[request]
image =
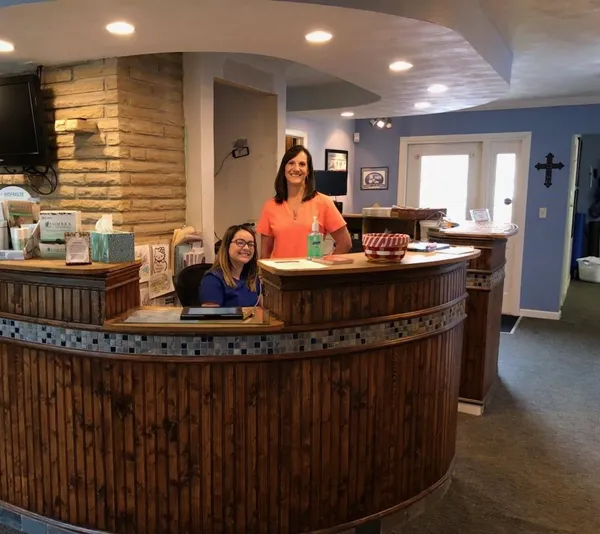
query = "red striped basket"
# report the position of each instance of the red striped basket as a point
(385, 247)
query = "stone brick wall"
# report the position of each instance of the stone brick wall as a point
(129, 159)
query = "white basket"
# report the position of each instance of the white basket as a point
(589, 269)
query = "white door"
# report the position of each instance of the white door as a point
(444, 176)
(503, 201)
(571, 208)
(463, 176)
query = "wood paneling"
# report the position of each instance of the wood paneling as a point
(326, 299)
(146, 445)
(484, 314)
(85, 299)
(282, 446)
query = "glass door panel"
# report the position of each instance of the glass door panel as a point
(505, 173)
(444, 176)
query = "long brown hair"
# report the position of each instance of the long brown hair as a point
(281, 189)
(223, 261)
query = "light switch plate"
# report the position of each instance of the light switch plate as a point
(543, 213)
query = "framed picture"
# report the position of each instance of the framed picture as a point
(336, 160)
(374, 178)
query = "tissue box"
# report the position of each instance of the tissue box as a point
(115, 247)
(54, 225)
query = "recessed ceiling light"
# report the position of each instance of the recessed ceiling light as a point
(348, 114)
(399, 66)
(318, 36)
(5, 46)
(437, 88)
(422, 105)
(120, 28)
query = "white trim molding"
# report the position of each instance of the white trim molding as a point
(540, 314)
(522, 182)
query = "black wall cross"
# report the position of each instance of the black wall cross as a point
(549, 166)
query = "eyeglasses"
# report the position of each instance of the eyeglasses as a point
(241, 243)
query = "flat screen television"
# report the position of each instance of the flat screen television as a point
(332, 183)
(23, 135)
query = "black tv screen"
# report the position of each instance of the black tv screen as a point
(332, 183)
(23, 137)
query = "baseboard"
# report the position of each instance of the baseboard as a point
(471, 409)
(540, 314)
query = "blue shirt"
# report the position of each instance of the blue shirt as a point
(214, 289)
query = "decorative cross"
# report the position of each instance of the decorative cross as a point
(548, 166)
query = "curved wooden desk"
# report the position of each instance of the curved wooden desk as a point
(338, 411)
(485, 286)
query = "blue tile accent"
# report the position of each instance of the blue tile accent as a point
(10, 519)
(276, 343)
(31, 526)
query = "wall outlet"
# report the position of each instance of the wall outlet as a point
(543, 213)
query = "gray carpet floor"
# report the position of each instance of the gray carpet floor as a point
(531, 464)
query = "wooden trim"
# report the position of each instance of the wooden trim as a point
(442, 484)
(59, 267)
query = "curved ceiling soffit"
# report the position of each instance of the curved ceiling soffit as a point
(466, 17)
(355, 87)
(334, 95)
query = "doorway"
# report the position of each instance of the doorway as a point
(463, 173)
(294, 138)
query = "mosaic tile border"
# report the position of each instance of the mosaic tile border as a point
(484, 281)
(277, 343)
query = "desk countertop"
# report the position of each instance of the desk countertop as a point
(412, 260)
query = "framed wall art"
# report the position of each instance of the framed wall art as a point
(336, 160)
(374, 178)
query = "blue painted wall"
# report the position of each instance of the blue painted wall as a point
(552, 131)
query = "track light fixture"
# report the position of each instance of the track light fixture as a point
(381, 122)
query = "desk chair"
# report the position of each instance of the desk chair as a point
(188, 283)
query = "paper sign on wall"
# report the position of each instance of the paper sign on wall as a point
(160, 284)
(144, 296)
(142, 253)
(160, 259)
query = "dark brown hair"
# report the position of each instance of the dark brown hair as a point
(281, 189)
(223, 261)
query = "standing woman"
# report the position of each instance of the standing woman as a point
(286, 219)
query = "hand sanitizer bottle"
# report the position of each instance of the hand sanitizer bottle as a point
(315, 241)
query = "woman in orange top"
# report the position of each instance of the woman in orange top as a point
(286, 219)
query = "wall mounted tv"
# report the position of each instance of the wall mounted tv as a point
(332, 183)
(23, 134)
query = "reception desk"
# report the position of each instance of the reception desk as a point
(332, 408)
(485, 286)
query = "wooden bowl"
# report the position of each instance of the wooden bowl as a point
(388, 248)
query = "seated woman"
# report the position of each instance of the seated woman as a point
(233, 279)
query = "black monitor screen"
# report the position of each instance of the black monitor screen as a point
(332, 183)
(21, 130)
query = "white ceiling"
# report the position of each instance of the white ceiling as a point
(466, 44)
(556, 47)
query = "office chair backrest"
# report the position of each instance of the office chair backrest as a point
(188, 283)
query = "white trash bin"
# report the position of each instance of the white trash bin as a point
(589, 269)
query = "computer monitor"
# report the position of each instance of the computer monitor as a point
(332, 183)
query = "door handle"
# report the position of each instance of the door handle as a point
(508, 201)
